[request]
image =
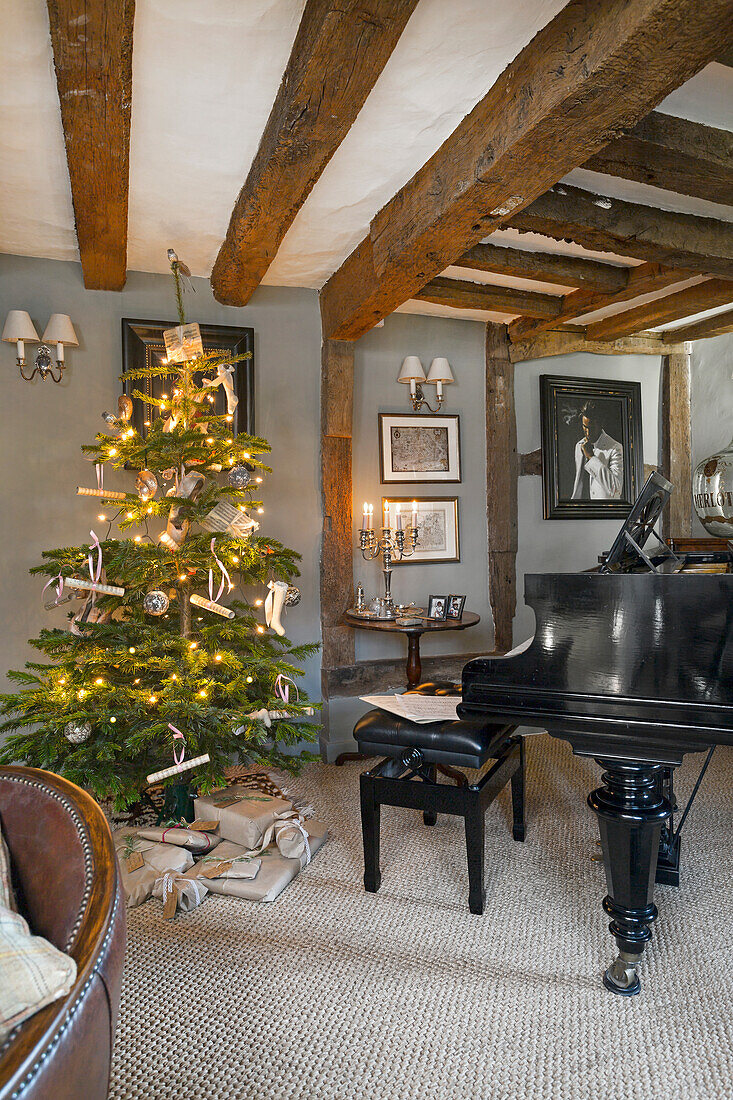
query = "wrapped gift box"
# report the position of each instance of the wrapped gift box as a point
(156, 860)
(195, 840)
(273, 874)
(244, 815)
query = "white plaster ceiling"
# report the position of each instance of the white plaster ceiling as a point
(204, 79)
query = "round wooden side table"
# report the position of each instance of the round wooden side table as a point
(413, 634)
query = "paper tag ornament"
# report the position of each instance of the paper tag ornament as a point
(225, 517)
(183, 342)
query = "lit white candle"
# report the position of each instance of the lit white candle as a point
(398, 514)
(371, 517)
(414, 513)
(386, 514)
(365, 517)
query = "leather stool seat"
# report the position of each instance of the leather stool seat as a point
(464, 743)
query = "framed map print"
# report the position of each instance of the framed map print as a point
(437, 527)
(419, 448)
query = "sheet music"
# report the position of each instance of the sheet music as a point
(417, 708)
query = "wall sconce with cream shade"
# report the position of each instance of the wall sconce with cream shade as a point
(439, 375)
(20, 330)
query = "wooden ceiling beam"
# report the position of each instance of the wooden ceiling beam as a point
(92, 55)
(638, 280)
(674, 154)
(596, 69)
(550, 267)
(564, 342)
(699, 330)
(700, 245)
(462, 294)
(672, 307)
(338, 54)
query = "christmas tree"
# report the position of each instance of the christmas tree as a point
(154, 665)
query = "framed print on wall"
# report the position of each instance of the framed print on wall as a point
(143, 346)
(419, 448)
(437, 527)
(592, 457)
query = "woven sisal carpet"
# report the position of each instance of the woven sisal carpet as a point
(334, 994)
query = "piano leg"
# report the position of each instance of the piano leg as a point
(631, 810)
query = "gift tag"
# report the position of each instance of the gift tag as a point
(171, 904)
(134, 861)
(215, 869)
(203, 826)
(228, 800)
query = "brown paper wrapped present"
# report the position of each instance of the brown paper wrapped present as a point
(274, 874)
(244, 815)
(229, 861)
(179, 892)
(292, 834)
(195, 840)
(143, 861)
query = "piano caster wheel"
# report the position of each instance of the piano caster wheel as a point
(621, 977)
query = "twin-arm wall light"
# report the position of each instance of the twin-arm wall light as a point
(20, 330)
(413, 374)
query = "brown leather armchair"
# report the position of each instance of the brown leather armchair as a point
(68, 888)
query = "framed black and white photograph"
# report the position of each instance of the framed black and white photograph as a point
(438, 608)
(419, 448)
(437, 527)
(143, 345)
(592, 452)
(455, 607)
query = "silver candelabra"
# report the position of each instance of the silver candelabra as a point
(395, 543)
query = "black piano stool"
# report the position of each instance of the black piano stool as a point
(414, 753)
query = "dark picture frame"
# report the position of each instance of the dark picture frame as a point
(455, 607)
(438, 604)
(605, 485)
(143, 345)
(427, 437)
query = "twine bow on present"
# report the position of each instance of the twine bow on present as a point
(173, 886)
(225, 578)
(284, 822)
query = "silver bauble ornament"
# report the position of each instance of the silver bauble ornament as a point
(292, 596)
(109, 418)
(239, 477)
(146, 484)
(155, 602)
(76, 732)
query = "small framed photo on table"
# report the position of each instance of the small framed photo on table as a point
(415, 447)
(455, 607)
(437, 527)
(438, 608)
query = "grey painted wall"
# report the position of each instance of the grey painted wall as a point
(44, 426)
(712, 399)
(378, 358)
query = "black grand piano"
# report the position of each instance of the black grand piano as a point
(632, 663)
